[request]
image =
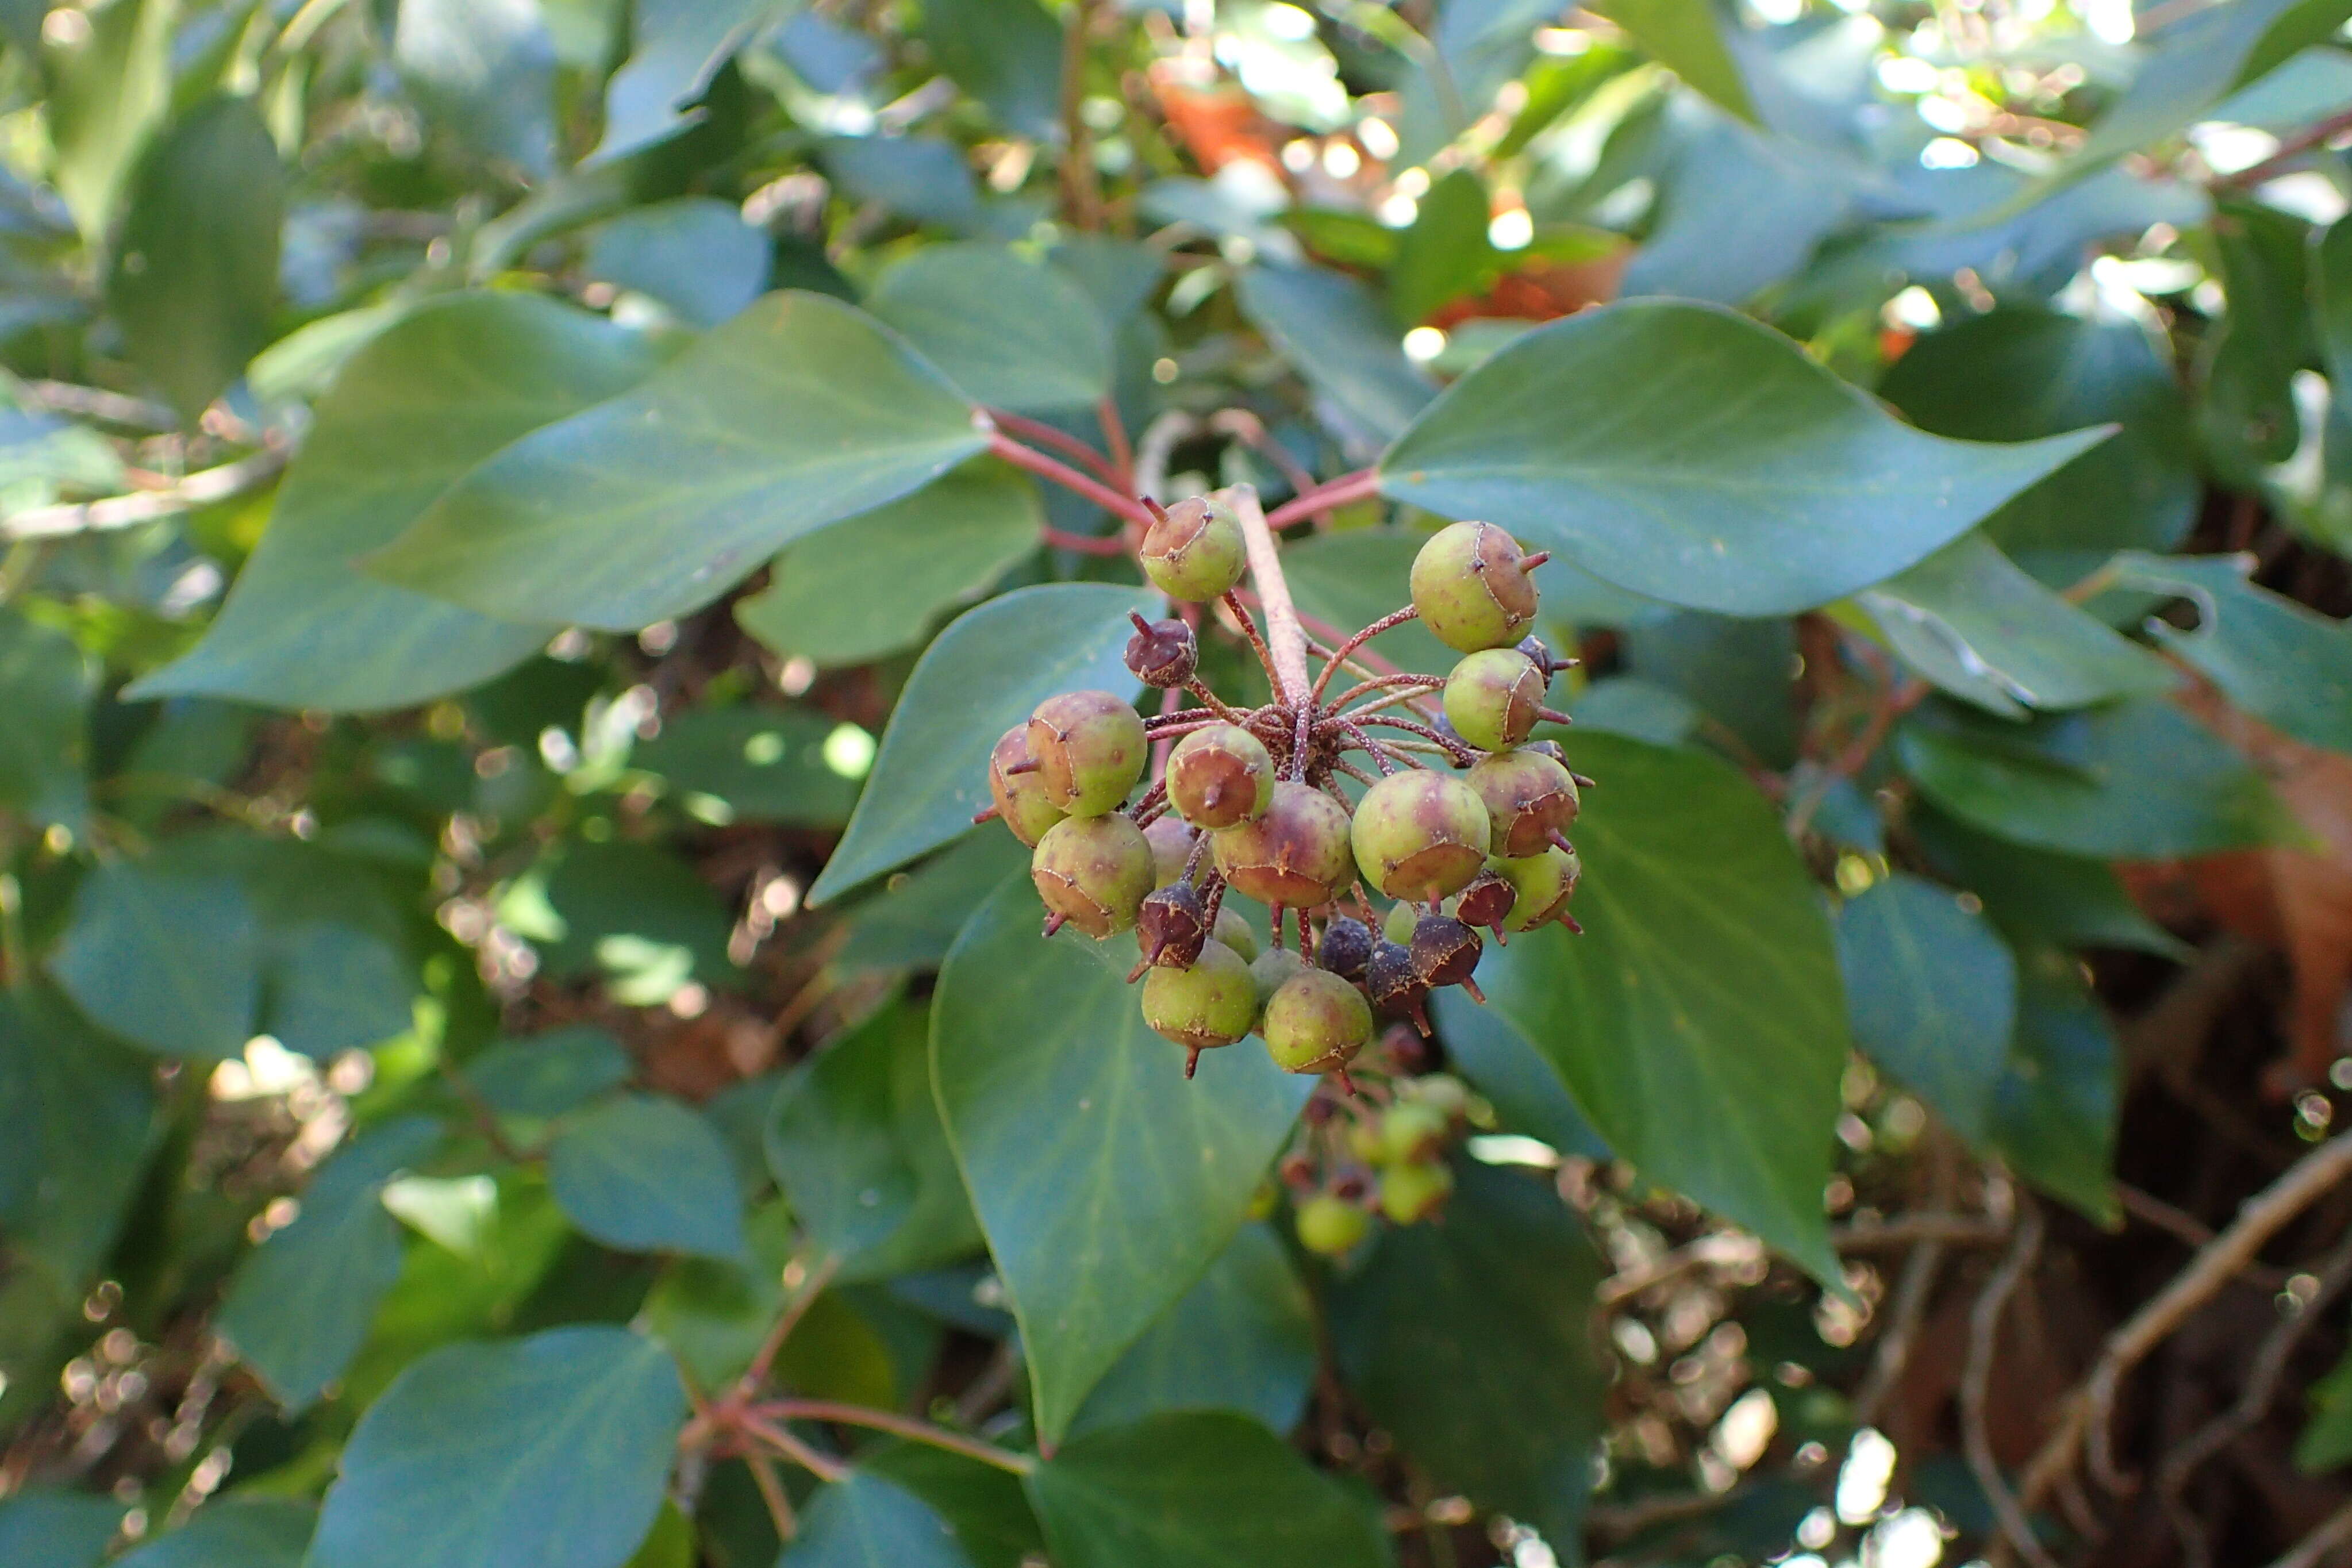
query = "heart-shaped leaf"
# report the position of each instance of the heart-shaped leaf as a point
(1013, 333)
(647, 1174)
(1931, 991)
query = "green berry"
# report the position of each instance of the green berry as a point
(1220, 776)
(1315, 1023)
(1421, 834)
(1442, 1092)
(1411, 1131)
(1494, 698)
(1272, 970)
(1209, 1005)
(1331, 1226)
(1022, 799)
(1235, 930)
(1090, 750)
(1396, 926)
(1195, 550)
(1093, 871)
(1295, 856)
(1470, 588)
(1171, 839)
(1530, 799)
(1409, 1193)
(1544, 883)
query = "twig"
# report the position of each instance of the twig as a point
(1113, 434)
(1912, 1294)
(771, 1492)
(1243, 622)
(1894, 699)
(2335, 1530)
(792, 1448)
(1062, 441)
(1084, 543)
(905, 1427)
(1339, 655)
(1062, 473)
(1975, 1380)
(786, 1322)
(203, 488)
(2188, 1229)
(1081, 184)
(1282, 632)
(2289, 149)
(97, 403)
(1362, 485)
(1251, 431)
(1153, 452)
(2083, 1419)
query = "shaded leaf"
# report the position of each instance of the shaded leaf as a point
(56, 1529)
(1931, 992)
(695, 255)
(1616, 437)
(913, 920)
(2195, 62)
(677, 48)
(1517, 1078)
(636, 913)
(984, 1506)
(795, 413)
(76, 1119)
(2055, 1110)
(1106, 1183)
(1005, 53)
(549, 1074)
(2326, 1439)
(646, 1174)
(236, 1532)
(923, 179)
(865, 1520)
(751, 763)
(485, 69)
(107, 92)
(1352, 577)
(2038, 898)
(171, 962)
(1338, 337)
(45, 686)
(1445, 254)
(1689, 36)
(2287, 666)
(1012, 333)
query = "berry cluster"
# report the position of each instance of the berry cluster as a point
(1383, 1150)
(1464, 825)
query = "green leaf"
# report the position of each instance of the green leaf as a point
(986, 1508)
(695, 255)
(923, 179)
(1445, 254)
(547, 1075)
(872, 585)
(1473, 1342)
(108, 93)
(2137, 780)
(677, 46)
(865, 1520)
(298, 1308)
(2194, 62)
(855, 1143)
(1106, 1184)
(2247, 414)
(646, 1174)
(635, 913)
(1703, 994)
(1478, 45)
(2331, 287)
(577, 1427)
(1353, 578)
(1689, 37)
(195, 274)
(450, 384)
(1931, 991)
(2037, 897)
(56, 1529)
(751, 763)
(2285, 665)
(978, 678)
(1201, 1491)
(1005, 53)
(1686, 452)
(2056, 1111)
(45, 686)
(485, 69)
(713, 1315)
(1979, 628)
(1242, 1338)
(1336, 335)
(2326, 1440)
(169, 961)
(2017, 372)
(913, 919)
(236, 1532)
(670, 1544)
(1515, 1077)
(1013, 333)
(76, 1120)
(797, 412)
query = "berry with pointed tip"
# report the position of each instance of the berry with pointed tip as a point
(1395, 987)
(1209, 1005)
(1494, 698)
(1470, 585)
(1018, 787)
(1409, 1193)
(1270, 971)
(1194, 550)
(1545, 882)
(1550, 663)
(1161, 653)
(1093, 871)
(1421, 834)
(1530, 799)
(1170, 928)
(1331, 1226)
(1345, 947)
(1296, 857)
(1232, 929)
(1446, 951)
(1442, 1092)
(1411, 1131)
(1220, 776)
(1090, 749)
(1171, 839)
(1315, 1023)
(1487, 902)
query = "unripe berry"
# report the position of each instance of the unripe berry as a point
(1409, 1193)
(1220, 775)
(1345, 947)
(1441, 1092)
(1397, 925)
(1396, 987)
(1494, 698)
(1022, 799)
(1528, 797)
(1207, 1005)
(1315, 1023)
(1195, 550)
(1331, 1226)
(1421, 834)
(1235, 930)
(1487, 902)
(1544, 883)
(1295, 856)
(1161, 653)
(1445, 951)
(1470, 588)
(1411, 1131)
(1093, 871)
(1172, 927)
(1171, 839)
(1270, 971)
(1090, 750)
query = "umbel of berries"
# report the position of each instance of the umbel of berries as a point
(1355, 780)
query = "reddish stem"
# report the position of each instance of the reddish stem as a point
(1114, 432)
(1069, 478)
(905, 1427)
(1362, 485)
(1085, 543)
(1339, 654)
(1062, 441)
